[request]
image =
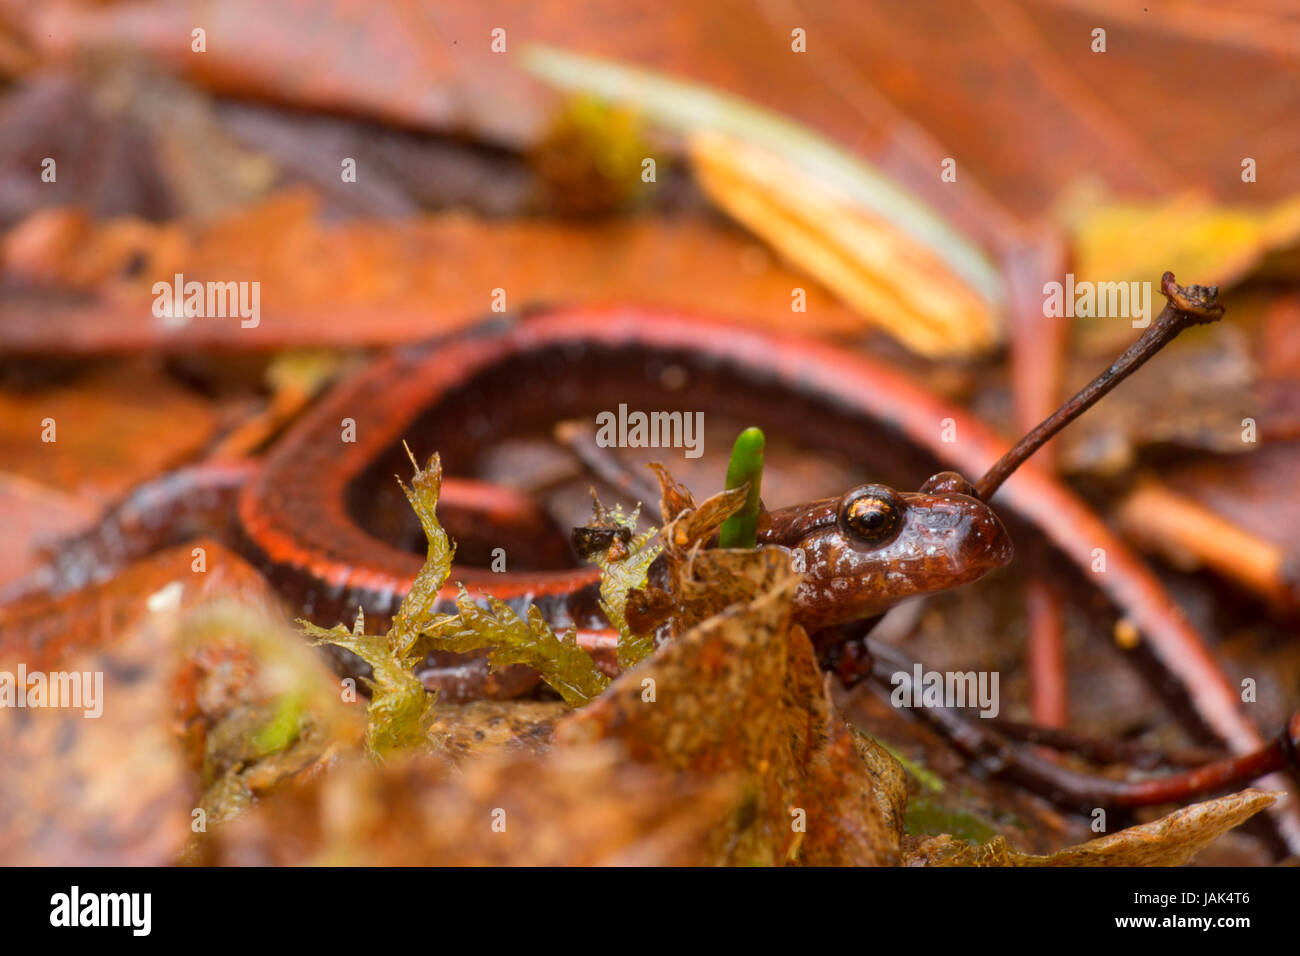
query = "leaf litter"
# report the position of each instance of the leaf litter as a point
(721, 746)
(731, 703)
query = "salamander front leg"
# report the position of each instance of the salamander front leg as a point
(842, 649)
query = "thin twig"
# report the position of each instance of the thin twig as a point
(579, 439)
(1189, 306)
(980, 741)
(1103, 751)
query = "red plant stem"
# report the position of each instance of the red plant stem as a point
(1037, 354)
(1045, 652)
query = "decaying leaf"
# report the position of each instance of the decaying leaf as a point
(1170, 841)
(699, 580)
(206, 702)
(741, 693)
(390, 283)
(253, 706)
(1188, 235)
(133, 421)
(467, 731)
(61, 793)
(691, 528)
(674, 497)
(577, 807)
(884, 274)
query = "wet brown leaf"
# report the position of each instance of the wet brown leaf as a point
(371, 282)
(111, 430)
(254, 707)
(465, 731)
(1009, 88)
(741, 693)
(62, 799)
(43, 631)
(1169, 841)
(111, 789)
(578, 807)
(34, 516)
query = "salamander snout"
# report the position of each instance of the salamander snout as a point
(948, 539)
(982, 543)
(946, 502)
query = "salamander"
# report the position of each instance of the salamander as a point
(308, 517)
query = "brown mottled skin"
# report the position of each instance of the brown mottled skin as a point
(873, 547)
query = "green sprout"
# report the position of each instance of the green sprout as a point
(745, 467)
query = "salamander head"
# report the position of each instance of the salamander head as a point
(870, 549)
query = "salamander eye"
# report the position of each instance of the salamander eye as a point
(873, 513)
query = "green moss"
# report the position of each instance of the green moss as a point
(282, 729)
(512, 639)
(930, 781)
(401, 710)
(927, 817)
(623, 568)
